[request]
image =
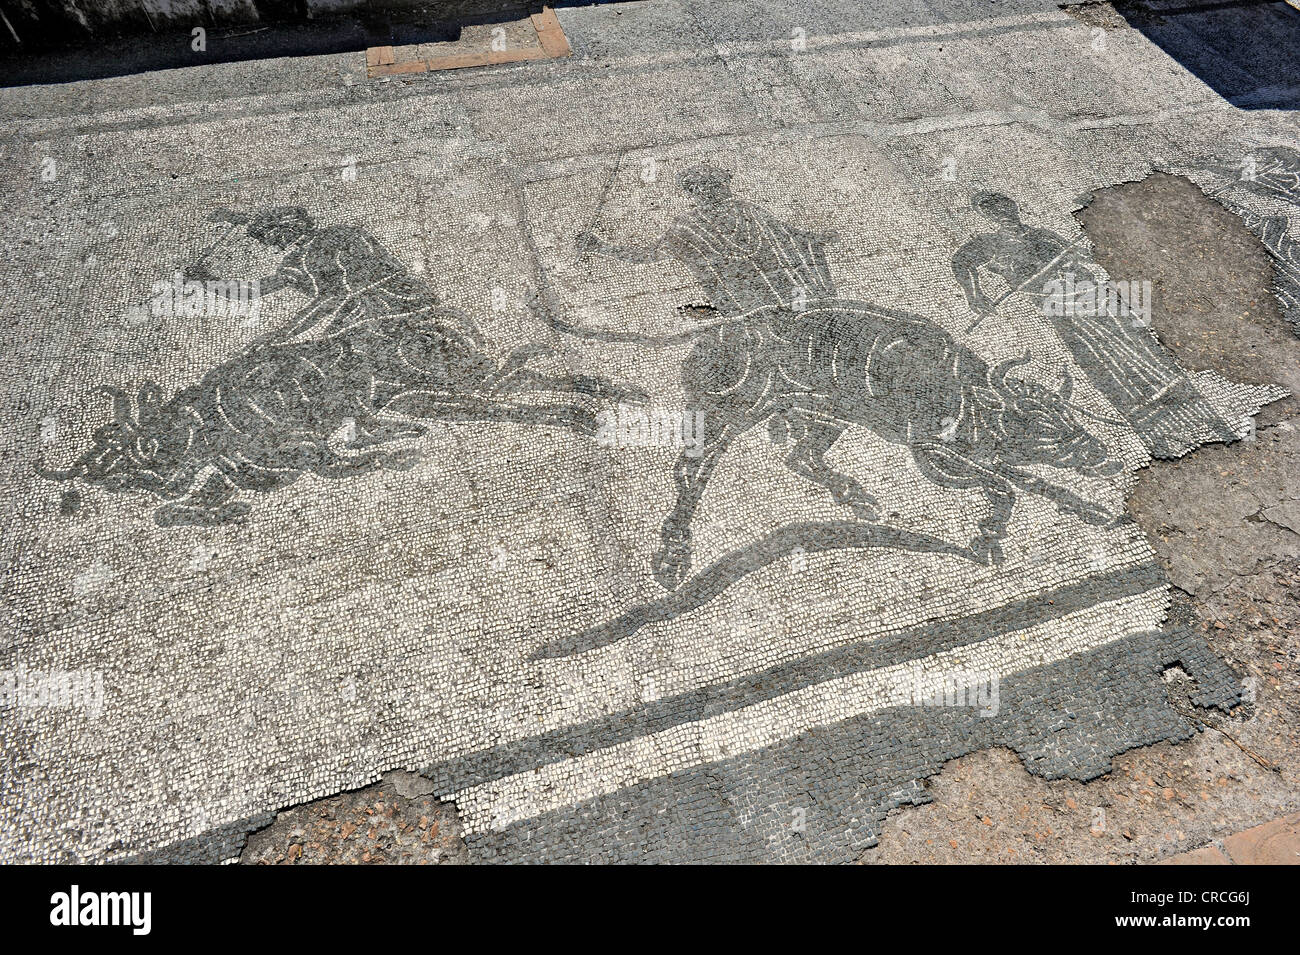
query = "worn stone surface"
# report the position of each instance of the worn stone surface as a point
(1100, 13)
(1276, 842)
(693, 481)
(1209, 855)
(1238, 580)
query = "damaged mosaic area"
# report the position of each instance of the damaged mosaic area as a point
(652, 504)
(1263, 188)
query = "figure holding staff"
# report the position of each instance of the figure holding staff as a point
(1110, 340)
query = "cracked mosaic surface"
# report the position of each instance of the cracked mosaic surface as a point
(1263, 187)
(392, 520)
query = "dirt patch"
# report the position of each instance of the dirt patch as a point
(1225, 521)
(396, 822)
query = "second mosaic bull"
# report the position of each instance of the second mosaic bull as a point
(811, 373)
(370, 358)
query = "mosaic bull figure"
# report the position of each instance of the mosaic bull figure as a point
(261, 421)
(787, 351)
(812, 374)
(371, 355)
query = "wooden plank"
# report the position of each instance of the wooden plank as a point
(549, 31)
(463, 60)
(410, 66)
(382, 61)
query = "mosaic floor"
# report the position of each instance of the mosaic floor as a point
(686, 484)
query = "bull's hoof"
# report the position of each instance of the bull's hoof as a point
(672, 565)
(852, 495)
(865, 511)
(580, 420)
(1089, 513)
(522, 355)
(987, 550)
(630, 395)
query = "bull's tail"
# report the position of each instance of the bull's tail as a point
(805, 536)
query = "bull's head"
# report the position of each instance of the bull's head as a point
(135, 450)
(1039, 425)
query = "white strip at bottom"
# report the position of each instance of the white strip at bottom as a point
(504, 802)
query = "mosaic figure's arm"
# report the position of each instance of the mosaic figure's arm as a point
(966, 263)
(589, 242)
(238, 288)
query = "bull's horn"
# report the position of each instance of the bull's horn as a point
(1000, 370)
(1067, 386)
(149, 398)
(77, 469)
(121, 403)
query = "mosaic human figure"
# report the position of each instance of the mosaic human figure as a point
(371, 354)
(743, 257)
(786, 352)
(1119, 353)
